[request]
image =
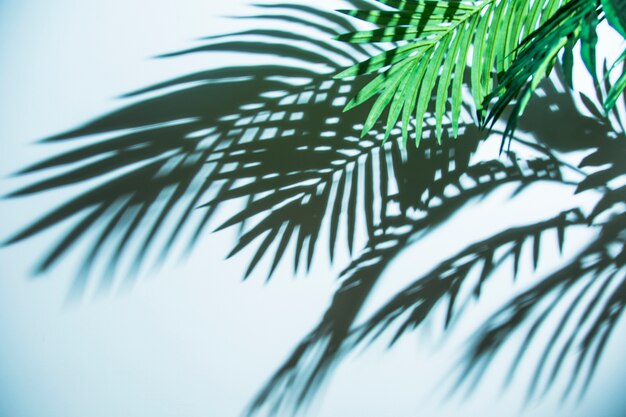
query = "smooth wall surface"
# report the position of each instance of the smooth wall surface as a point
(191, 339)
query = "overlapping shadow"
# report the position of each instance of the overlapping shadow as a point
(274, 138)
(172, 152)
(445, 286)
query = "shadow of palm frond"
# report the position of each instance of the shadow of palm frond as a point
(174, 151)
(300, 377)
(587, 294)
(273, 139)
(272, 136)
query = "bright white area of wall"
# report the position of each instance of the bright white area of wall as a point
(192, 340)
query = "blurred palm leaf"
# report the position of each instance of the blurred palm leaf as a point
(282, 148)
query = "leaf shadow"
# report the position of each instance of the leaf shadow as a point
(274, 139)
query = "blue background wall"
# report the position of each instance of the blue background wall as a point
(191, 339)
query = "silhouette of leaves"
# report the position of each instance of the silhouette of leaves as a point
(586, 293)
(594, 282)
(416, 301)
(168, 153)
(272, 141)
(283, 147)
(296, 382)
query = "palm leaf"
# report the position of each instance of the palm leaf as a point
(538, 55)
(435, 42)
(573, 23)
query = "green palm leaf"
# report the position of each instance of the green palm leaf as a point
(574, 23)
(436, 39)
(615, 11)
(538, 55)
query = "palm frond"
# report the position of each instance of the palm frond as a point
(438, 38)
(574, 23)
(537, 55)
